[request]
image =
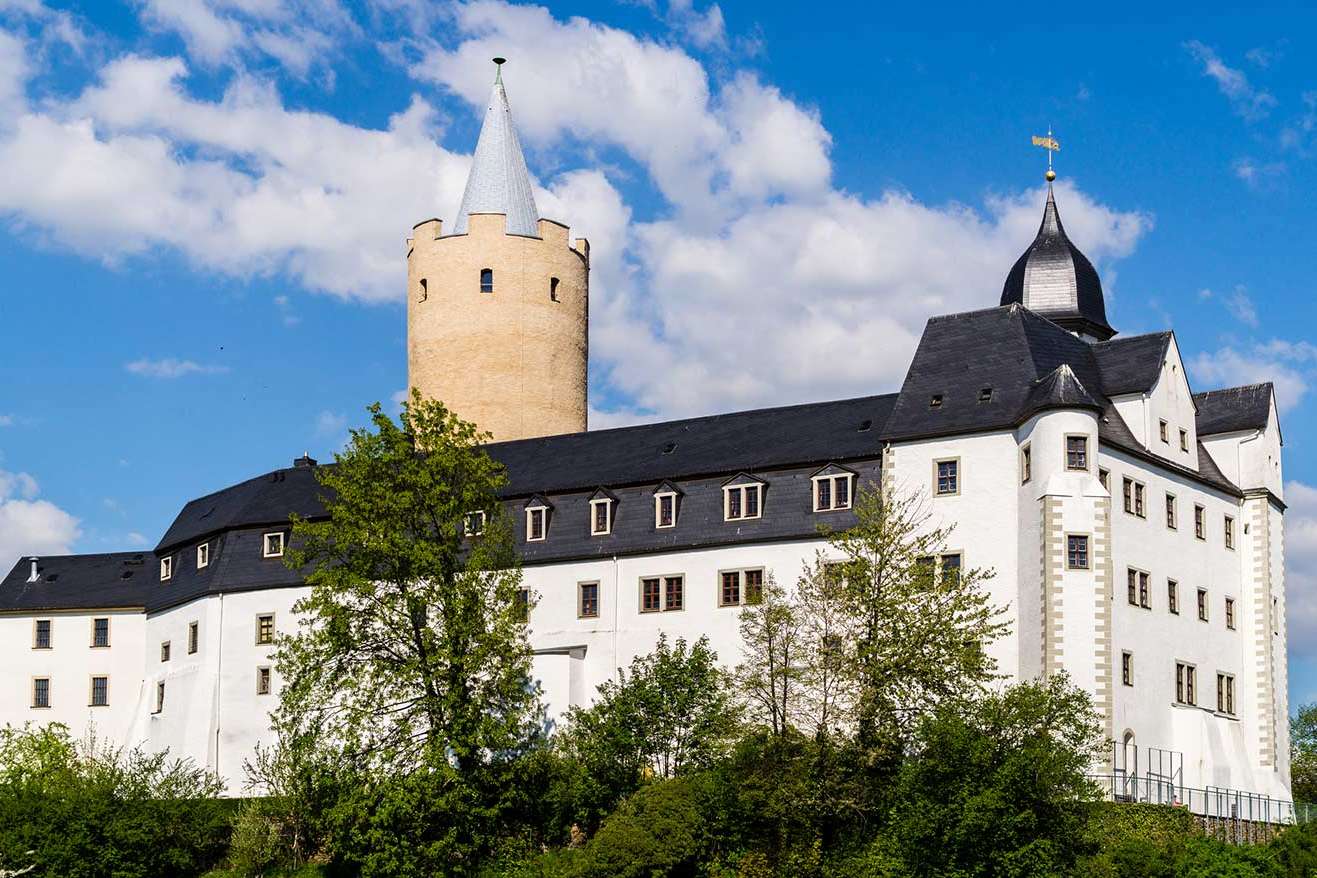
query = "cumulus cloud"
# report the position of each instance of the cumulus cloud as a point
(1289, 365)
(172, 368)
(30, 525)
(1248, 101)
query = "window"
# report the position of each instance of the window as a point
(41, 634)
(1172, 521)
(1225, 693)
(1133, 493)
(1137, 585)
(730, 595)
(1104, 478)
(949, 566)
(203, 555)
(164, 651)
(274, 545)
(193, 635)
(166, 568)
(741, 502)
(1230, 532)
(601, 517)
(521, 605)
(424, 291)
(1173, 596)
(486, 280)
(553, 289)
(1162, 430)
(265, 629)
(1230, 613)
(1202, 604)
(661, 593)
(1185, 683)
(100, 692)
(41, 692)
(1200, 522)
(535, 523)
(1127, 668)
(1076, 552)
(263, 681)
(665, 509)
(1026, 464)
(159, 697)
(832, 492)
(1076, 453)
(587, 595)
(946, 477)
(1184, 440)
(935, 401)
(473, 524)
(100, 632)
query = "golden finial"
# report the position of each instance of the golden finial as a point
(1051, 144)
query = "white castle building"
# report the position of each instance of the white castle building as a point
(1135, 526)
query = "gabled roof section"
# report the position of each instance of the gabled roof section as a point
(538, 501)
(1131, 365)
(666, 487)
(832, 469)
(107, 581)
(499, 181)
(743, 479)
(602, 493)
(1234, 408)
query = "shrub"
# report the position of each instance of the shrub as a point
(658, 830)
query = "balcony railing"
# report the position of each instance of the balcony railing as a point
(1213, 802)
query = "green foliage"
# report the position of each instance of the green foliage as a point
(769, 675)
(1303, 754)
(670, 714)
(998, 787)
(80, 809)
(658, 830)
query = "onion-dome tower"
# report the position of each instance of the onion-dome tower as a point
(1053, 278)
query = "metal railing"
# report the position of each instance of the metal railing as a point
(1212, 802)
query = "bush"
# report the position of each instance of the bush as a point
(658, 830)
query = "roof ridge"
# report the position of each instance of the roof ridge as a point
(1257, 385)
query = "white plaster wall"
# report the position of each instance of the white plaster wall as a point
(1171, 399)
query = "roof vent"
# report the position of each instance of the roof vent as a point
(304, 461)
(35, 574)
(865, 426)
(936, 401)
(985, 394)
(669, 448)
(127, 574)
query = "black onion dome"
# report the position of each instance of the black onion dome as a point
(1054, 279)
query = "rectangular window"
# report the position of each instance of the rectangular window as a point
(1104, 478)
(1144, 600)
(100, 692)
(1026, 464)
(265, 629)
(601, 517)
(164, 651)
(1230, 613)
(473, 524)
(665, 510)
(41, 692)
(166, 568)
(1127, 668)
(947, 477)
(274, 545)
(1173, 596)
(1184, 440)
(730, 595)
(1076, 453)
(741, 502)
(674, 592)
(1163, 432)
(754, 586)
(193, 636)
(41, 634)
(1171, 519)
(1076, 554)
(832, 492)
(949, 567)
(535, 524)
(1202, 604)
(1132, 586)
(521, 605)
(651, 595)
(1133, 493)
(1230, 532)
(1138, 501)
(1137, 585)
(1200, 522)
(263, 681)
(159, 697)
(100, 632)
(203, 555)
(1225, 693)
(1185, 683)
(588, 600)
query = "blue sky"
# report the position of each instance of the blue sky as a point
(204, 204)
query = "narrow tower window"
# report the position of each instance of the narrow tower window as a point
(425, 291)
(486, 280)
(553, 289)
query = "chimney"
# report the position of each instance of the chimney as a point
(304, 461)
(35, 574)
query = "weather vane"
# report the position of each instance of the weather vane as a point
(1051, 144)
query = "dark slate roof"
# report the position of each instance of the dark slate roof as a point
(106, 581)
(1054, 278)
(1060, 389)
(267, 499)
(237, 563)
(1131, 365)
(1234, 408)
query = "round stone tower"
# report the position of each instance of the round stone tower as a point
(497, 309)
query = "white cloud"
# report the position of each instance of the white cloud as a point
(330, 423)
(136, 540)
(30, 525)
(1287, 364)
(1242, 308)
(172, 368)
(1258, 175)
(1249, 102)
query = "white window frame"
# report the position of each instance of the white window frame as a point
(744, 489)
(832, 479)
(473, 523)
(166, 568)
(658, 509)
(1200, 521)
(544, 523)
(1164, 431)
(265, 544)
(203, 556)
(607, 503)
(1203, 605)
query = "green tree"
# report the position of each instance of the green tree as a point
(768, 677)
(412, 648)
(830, 629)
(1303, 754)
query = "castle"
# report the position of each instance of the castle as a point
(1135, 527)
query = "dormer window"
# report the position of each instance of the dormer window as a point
(985, 394)
(832, 489)
(166, 568)
(203, 555)
(536, 523)
(601, 516)
(742, 500)
(274, 545)
(486, 280)
(665, 507)
(473, 524)
(935, 402)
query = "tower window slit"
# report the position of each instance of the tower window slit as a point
(553, 289)
(486, 280)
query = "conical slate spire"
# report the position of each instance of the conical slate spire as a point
(1056, 280)
(499, 181)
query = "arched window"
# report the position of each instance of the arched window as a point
(486, 280)
(425, 291)
(553, 289)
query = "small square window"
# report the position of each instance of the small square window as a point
(203, 555)
(166, 568)
(588, 597)
(1077, 552)
(274, 545)
(41, 692)
(265, 629)
(947, 477)
(1076, 453)
(193, 637)
(41, 634)
(100, 633)
(100, 692)
(263, 681)
(535, 519)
